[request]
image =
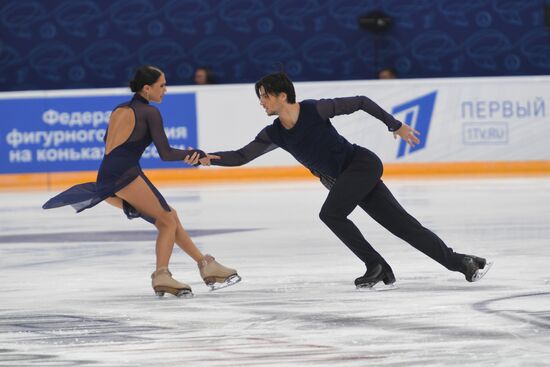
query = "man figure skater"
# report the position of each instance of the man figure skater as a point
(351, 173)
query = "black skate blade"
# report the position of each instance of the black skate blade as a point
(480, 273)
(233, 279)
(378, 287)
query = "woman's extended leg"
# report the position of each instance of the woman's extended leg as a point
(214, 274)
(184, 241)
(171, 230)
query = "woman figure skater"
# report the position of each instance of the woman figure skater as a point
(121, 182)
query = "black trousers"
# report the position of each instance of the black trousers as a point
(360, 185)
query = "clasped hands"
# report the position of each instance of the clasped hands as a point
(195, 159)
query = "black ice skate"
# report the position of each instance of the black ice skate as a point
(474, 268)
(375, 275)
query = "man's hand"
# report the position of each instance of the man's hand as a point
(408, 134)
(206, 160)
(194, 159)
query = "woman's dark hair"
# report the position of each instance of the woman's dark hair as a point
(144, 75)
(276, 84)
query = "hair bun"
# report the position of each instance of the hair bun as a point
(133, 85)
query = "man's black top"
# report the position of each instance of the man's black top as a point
(313, 141)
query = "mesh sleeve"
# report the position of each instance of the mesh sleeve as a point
(166, 152)
(259, 146)
(328, 108)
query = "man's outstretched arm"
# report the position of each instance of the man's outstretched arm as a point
(328, 108)
(259, 146)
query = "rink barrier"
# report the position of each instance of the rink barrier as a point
(45, 181)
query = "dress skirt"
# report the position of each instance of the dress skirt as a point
(111, 178)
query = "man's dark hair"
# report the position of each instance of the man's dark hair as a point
(276, 84)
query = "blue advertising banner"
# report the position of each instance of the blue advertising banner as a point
(66, 133)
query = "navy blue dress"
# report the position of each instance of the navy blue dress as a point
(121, 166)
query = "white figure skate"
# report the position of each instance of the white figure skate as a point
(215, 275)
(163, 282)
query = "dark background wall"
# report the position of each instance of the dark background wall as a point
(82, 43)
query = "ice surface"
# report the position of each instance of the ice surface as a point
(75, 289)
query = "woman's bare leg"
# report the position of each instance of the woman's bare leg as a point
(184, 241)
(140, 196)
(114, 201)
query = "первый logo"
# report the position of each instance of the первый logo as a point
(418, 115)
